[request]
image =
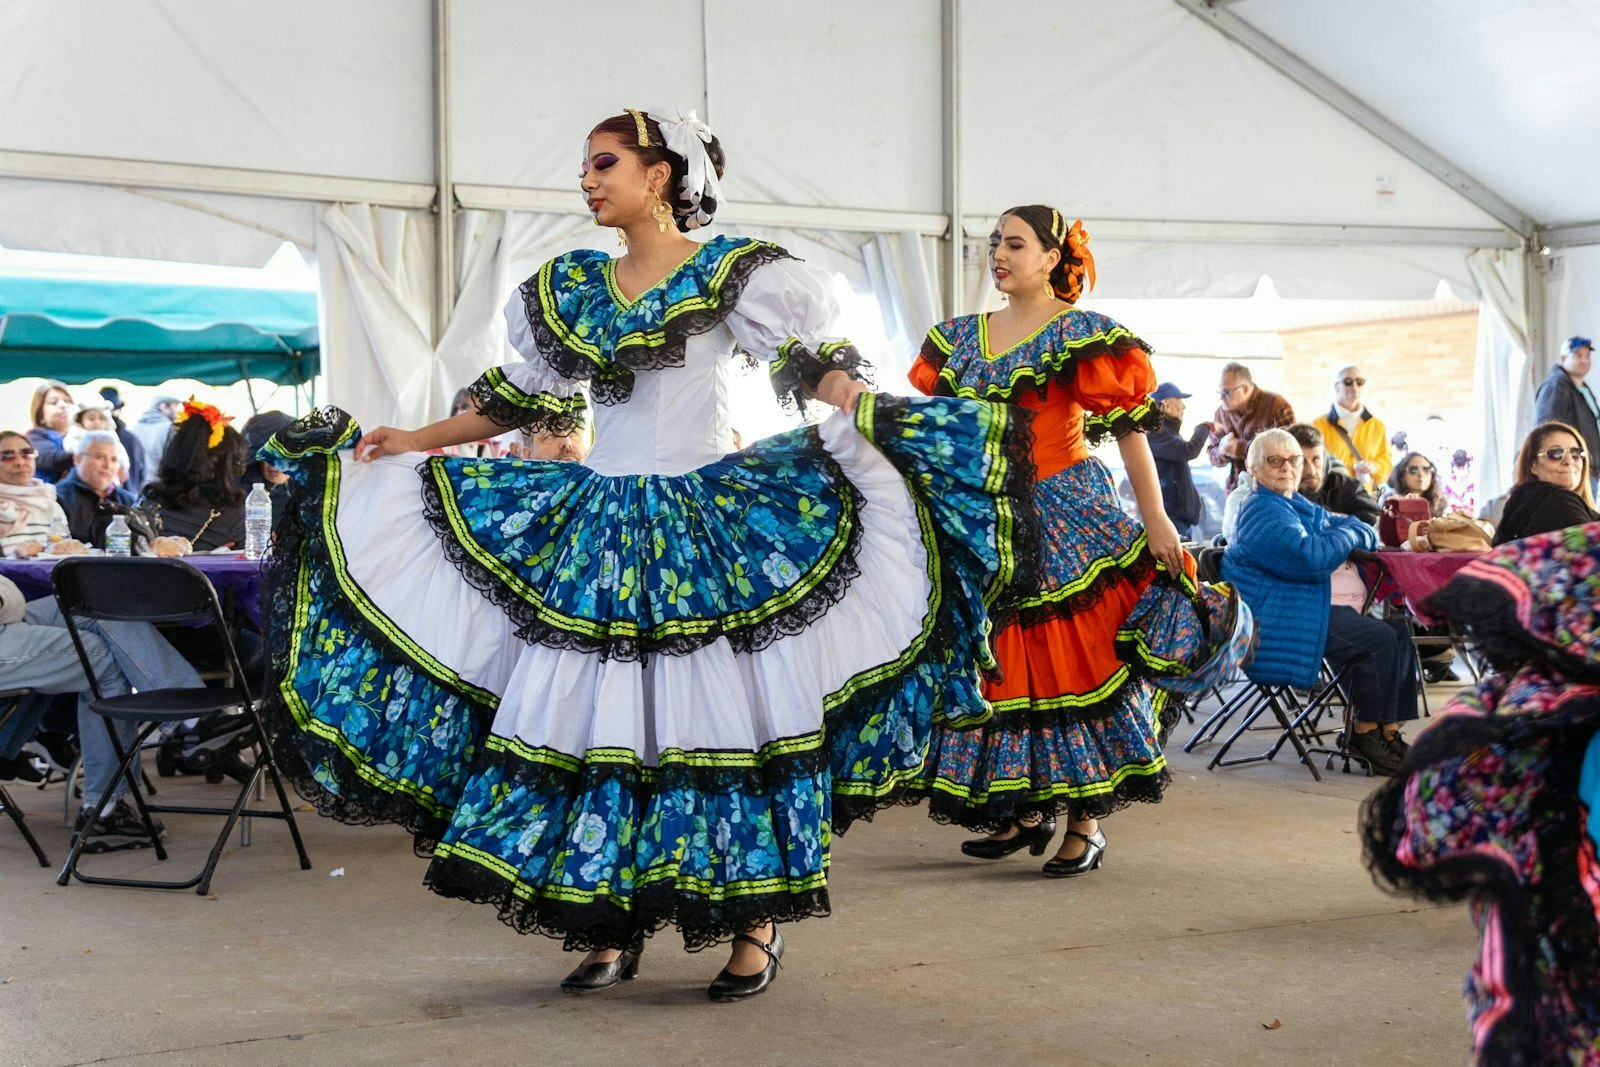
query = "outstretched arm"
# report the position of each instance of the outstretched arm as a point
(456, 430)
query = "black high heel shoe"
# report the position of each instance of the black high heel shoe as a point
(727, 988)
(1034, 838)
(593, 977)
(1094, 852)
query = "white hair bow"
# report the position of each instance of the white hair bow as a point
(687, 137)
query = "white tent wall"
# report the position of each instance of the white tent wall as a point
(1197, 165)
(302, 86)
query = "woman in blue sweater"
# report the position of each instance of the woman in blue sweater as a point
(1290, 560)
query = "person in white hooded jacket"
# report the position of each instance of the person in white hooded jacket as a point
(28, 504)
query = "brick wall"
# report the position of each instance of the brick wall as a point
(1414, 368)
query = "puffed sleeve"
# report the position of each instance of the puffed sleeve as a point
(530, 394)
(1114, 388)
(785, 318)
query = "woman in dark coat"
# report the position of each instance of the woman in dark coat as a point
(1552, 490)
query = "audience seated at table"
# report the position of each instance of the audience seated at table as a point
(36, 652)
(1415, 475)
(89, 494)
(1290, 560)
(51, 413)
(27, 503)
(197, 492)
(1325, 482)
(1552, 490)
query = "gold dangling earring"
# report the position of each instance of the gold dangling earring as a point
(622, 237)
(1049, 290)
(662, 213)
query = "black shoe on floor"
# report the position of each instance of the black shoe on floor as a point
(55, 750)
(728, 987)
(119, 829)
(593, 977)
(19, 769)
(1371, 748)
(1437, 673)
(1398, 745)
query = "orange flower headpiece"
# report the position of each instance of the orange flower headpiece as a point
(209, 412)
(1077, 243)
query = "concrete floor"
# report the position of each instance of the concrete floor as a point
(1237, 903)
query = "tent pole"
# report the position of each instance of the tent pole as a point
(444, 198)
(955, 268)
(1533, 279)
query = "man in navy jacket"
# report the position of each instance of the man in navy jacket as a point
(1179, 498)
(1563, 397)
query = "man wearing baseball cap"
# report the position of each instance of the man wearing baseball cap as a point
(1179, 498)
(154, 429)
(1563, 397)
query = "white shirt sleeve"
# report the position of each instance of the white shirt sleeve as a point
(785, 318)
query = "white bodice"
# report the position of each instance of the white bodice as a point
(676, 420)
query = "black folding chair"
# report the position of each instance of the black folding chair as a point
(152, 590)
(10, 704)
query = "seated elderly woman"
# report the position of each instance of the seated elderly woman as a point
(1552, 490)
(1290, 560)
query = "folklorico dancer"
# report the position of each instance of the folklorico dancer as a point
(1498, 802)
(1077, 721)
(646, 690)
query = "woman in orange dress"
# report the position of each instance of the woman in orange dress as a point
(1076, 721)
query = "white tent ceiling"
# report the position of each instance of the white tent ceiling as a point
(1358, 148)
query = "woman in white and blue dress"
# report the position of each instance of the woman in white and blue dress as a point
(646, 690)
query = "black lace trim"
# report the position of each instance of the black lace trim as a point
(797, 371)
(613, 383)
(1042, 377)
(296, 533)
(1560, 911)
(1001, 808)
(1487, 614)
(603, 925)
(558, 418)
(1098, 429)
(751, 637)
(1141, 569)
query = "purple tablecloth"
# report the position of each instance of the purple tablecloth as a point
(1417, 575)
(229, 574)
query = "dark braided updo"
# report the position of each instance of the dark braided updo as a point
(1055, 231)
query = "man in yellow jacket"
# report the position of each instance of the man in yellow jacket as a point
(1354, 435)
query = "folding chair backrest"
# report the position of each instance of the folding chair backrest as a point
(144, 589)
(140, 589)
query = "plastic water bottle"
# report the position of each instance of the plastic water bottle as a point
(119, 539)
(59, 530)
(257, 522)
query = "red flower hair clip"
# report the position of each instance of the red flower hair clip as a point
(210, 413)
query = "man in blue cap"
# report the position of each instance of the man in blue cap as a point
(1563, 397)
(1179, 497)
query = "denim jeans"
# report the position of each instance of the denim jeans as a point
(37, 653)
(1382, 679)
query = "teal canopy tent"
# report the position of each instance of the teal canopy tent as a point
(77, 330)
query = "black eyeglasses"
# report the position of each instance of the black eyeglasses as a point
(1554, 455)
(13, 453)
(1353, 381)
(1419, 470)
(1226, 393)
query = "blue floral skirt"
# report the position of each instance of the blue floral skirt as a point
(607, 704)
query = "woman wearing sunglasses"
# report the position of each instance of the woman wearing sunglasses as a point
(1552, 490)
(27, 503)
(1415, 475)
